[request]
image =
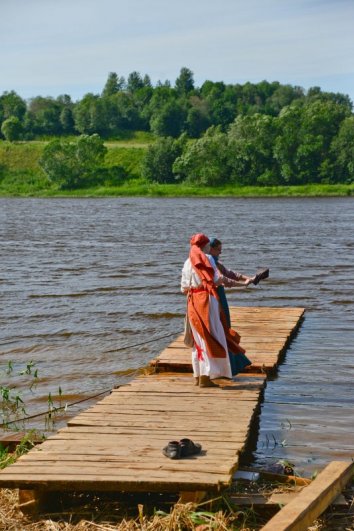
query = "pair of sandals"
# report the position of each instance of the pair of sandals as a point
(182, 448)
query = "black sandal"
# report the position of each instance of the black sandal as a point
(261, 275)
(188, 447)
(172, 450)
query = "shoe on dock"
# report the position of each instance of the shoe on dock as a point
(172, 450)
(188, 447)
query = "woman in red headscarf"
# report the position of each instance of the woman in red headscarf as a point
(212, 337)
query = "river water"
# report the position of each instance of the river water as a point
(81, 279)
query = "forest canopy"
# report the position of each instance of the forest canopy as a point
(243, 134)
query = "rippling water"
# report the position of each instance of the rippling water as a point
(82, 278)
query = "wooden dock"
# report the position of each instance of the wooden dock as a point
(116, 445)
(265, 334)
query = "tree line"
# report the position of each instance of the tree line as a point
(134, 104)
(256, 133)
(310, 141)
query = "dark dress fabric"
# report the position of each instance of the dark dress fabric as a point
(237, 361)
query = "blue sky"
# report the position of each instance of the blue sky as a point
(51, 47)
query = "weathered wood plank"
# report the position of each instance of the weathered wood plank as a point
(275, 500)
(298, 514)
(107, 482)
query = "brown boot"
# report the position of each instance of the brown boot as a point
(196, 380)
(204, 381)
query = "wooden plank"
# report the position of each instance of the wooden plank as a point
(107, 482)
(276, 499)
(116, 466)
(179, 427)
(313, 500)
(85, 432)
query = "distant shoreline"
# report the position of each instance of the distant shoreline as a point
(141, 189)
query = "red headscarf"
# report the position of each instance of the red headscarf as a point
(200, 262)
(199, 239)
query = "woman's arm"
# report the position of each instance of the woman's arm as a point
(232, 275)
(230, 283)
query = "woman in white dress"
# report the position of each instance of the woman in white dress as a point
(212, 338)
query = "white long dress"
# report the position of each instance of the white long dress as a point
(208, 366)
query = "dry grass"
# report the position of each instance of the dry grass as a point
(107, 516)
(102, 513)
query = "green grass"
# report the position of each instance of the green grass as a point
(130, 158)
(21, 175)
(138, 187)
(21, 156)
(139, 139)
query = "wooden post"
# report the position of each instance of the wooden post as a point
(30, 501)
(191, 496)
(312, 500)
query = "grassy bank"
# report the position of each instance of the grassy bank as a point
(140, 188)
(26, 186)
(21, 176)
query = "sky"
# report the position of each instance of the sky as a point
(53, 47)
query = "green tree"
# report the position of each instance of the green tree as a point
(212, 89)
(66, 116)
(169, 120)
(73, 164)
(45, 115)
(159, 159)
(185, 82)
(159, 97)
(307, 129)
(147, 81)
(221, 101)
(91, 115)
(205, 161)
(123, 112)
(288, 141)
(66, 119)
(11, 128)
(342, 149)
(64, 100)
(141, 100)
(250, 150)
(11, 104)
(197, 122)
(284, 95)
(134, 82)
(315, 93)
(113, 85)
